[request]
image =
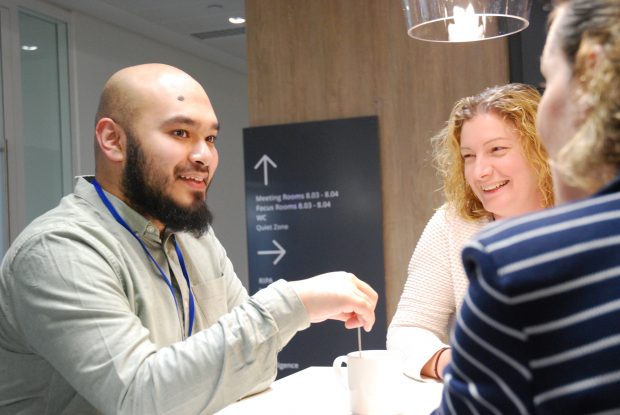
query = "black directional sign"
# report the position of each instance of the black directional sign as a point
(313, 205)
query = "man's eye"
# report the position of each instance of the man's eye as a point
(180, 133)
(212, 139)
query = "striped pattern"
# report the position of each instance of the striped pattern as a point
(539, 329)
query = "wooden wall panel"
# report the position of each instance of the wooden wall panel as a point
(324, 59)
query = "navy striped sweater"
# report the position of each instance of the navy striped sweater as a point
(539, 329)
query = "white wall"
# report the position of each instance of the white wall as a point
(100, 49)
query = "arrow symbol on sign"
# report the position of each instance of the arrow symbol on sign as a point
(265, 160)
(280, 252)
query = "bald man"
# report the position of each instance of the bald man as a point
(121, 300)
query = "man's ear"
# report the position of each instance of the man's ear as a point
(110, 139)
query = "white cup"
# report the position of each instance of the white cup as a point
(374, 381)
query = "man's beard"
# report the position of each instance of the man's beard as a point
(146, 195)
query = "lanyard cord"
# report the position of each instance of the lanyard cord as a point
(120, 220)
(189, 288)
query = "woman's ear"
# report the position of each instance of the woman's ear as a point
(588, 64)
(110, 139)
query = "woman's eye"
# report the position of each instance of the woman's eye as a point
(180, 133)
(212, 139)
(467, 156)
(498, 149)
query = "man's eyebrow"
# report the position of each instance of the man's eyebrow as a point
(181, 119)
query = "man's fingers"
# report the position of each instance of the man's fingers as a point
(367, 289)
(339, 296)
(355, 320)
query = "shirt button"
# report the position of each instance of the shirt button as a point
(150, 229)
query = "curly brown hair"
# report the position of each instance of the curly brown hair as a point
(515, 103)
(592, 156)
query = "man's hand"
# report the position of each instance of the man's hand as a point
(338, 296)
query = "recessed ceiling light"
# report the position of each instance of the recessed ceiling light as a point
(29, 48)
(236, 20)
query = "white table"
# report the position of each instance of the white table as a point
(316, 390)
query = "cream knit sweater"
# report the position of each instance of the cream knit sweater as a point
(435, 287)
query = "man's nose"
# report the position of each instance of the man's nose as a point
(201, 153)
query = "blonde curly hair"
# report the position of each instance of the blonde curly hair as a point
(591, 157)
(515, 103)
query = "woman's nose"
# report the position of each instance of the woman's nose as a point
(483, 167)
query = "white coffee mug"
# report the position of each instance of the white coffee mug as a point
(374, 381)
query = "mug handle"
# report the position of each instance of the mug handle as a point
(338, 368)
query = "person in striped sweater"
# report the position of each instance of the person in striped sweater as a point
(539, 329)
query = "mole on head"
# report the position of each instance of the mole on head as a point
(181, 98)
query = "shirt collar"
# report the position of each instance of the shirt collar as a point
(145, 229)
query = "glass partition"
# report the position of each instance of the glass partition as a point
(4, 211)
(45, 112)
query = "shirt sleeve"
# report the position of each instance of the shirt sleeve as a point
(417, 346)
(489, 371)
(422, 319)
(68, 303)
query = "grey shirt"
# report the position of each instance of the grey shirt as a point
(88, 324)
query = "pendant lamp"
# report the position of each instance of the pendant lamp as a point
(465, 20)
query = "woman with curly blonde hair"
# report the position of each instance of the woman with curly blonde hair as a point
(493, 166)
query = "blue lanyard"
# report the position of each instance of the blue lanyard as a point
(120, 220)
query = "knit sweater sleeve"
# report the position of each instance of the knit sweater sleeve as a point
(434, 288)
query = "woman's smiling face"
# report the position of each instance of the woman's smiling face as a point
(496, 168)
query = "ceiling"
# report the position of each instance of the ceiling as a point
(198, 26)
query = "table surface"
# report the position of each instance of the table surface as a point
(317, 390)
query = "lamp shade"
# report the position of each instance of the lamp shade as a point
(465, 20)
